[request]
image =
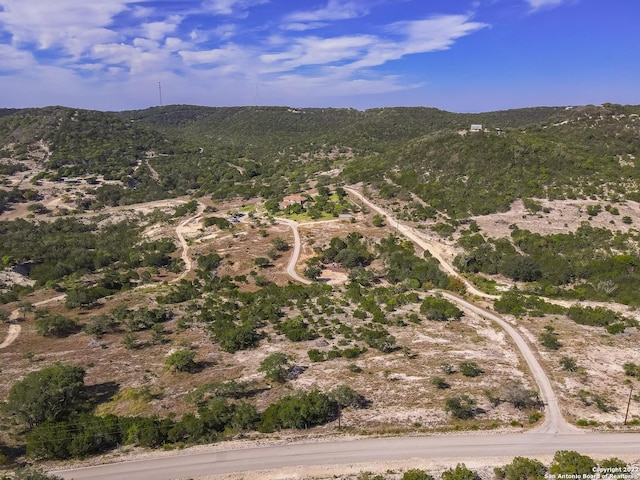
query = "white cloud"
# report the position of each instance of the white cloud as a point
(319, 51)
(228, 55)
(231, 7)
(335, 10)
(113, 45)
(142, 56)
(543, 4)
(69, 24)
(301, 27)
(420, 36)
(159, 30)
(14, 59)
(225, 31)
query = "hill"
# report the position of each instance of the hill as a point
(267, 151)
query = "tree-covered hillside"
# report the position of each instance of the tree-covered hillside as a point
(552, 152)
(583, 152)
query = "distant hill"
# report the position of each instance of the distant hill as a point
(160, 152)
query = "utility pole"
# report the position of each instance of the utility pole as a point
(626, 415)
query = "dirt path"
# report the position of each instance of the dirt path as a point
(435, 250)
(15, 328)
(12, 334)
(554, 422)
(295, 254)
(180, 231)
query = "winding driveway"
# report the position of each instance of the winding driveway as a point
(295, 254)
(554, 422)
(15, 328)
(416, 238)
(180, 229)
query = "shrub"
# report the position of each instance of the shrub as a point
(296, 330)
(275, 367)
(56, 326)
(182, 361)
(569, 364)
(521, 469)
(631, 369)
(549, 338)
(461, 406)
(461, 472)
(302, 410)
(345, 396)
(100, 325)
(439, 309)
(470, 369)
(518, 396)
(316, 355)
(440, 383)
(416, 474)
(567, 462)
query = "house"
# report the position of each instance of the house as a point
(293, 200)
(476, 128)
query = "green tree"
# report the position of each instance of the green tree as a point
(262, 262)
(523, 269)
(100, 325)
(313, 272)
(568, 462)
(25, 307)
(569, 364)
(470, 369)
(280, 244)
(182, 361)
(439, 309)
(345, 396)
(520, 397)
(461, 406)
(48, 395)
(521, 468)
(55, 326)
(416, 474)
(275, 367)
(302, 410)
(461, 472)
(549, 338)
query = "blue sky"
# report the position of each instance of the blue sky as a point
(458, 55)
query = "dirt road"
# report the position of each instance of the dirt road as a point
(554, 422)
(423, 243)
(180, 231)
(295, 254)
(173, 465)
(15, 329)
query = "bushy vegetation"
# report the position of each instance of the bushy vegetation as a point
(593, 262)
(440, 309)
(302, 410)
(53, 405)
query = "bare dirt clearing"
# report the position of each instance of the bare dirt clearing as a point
(564, 216)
